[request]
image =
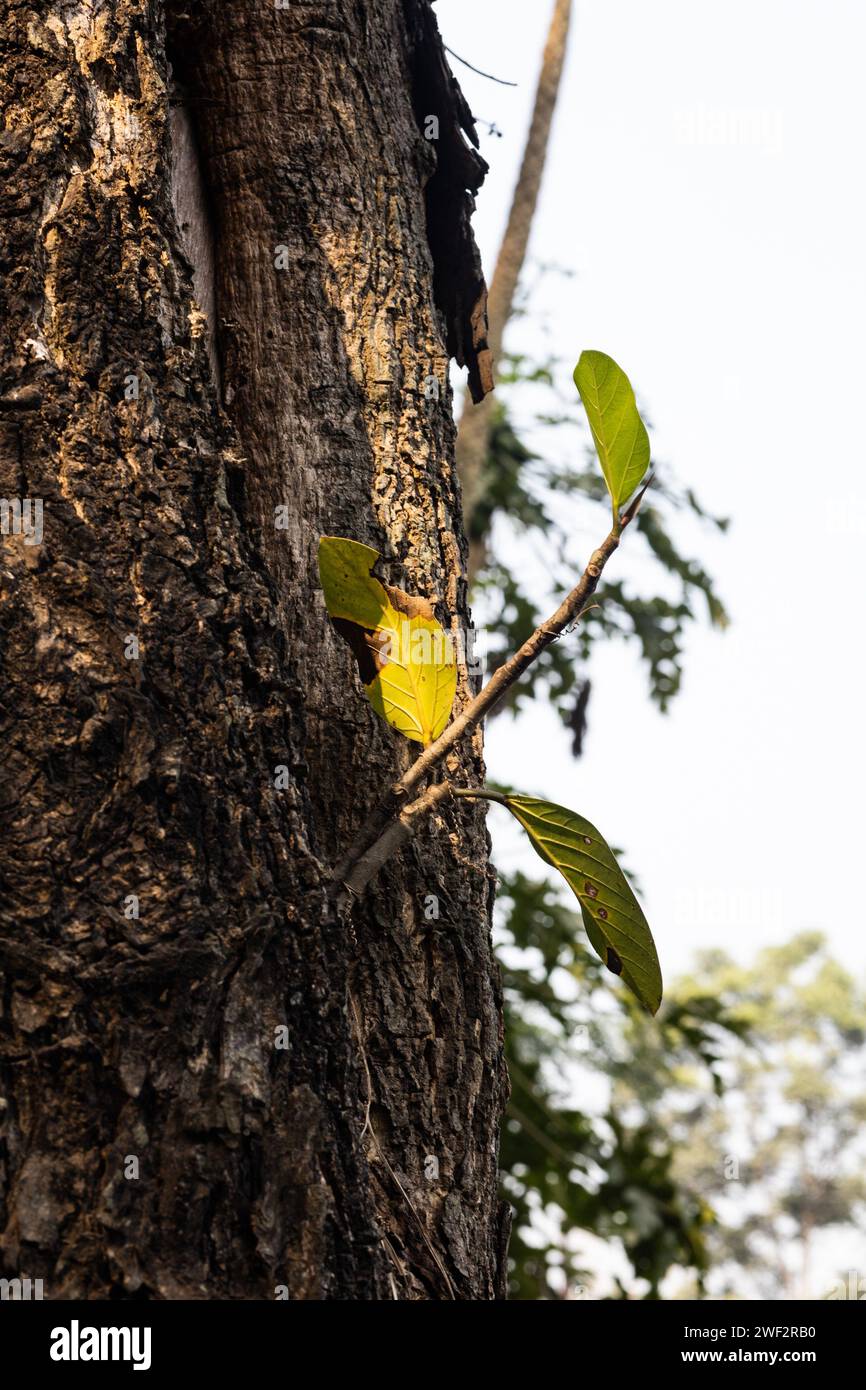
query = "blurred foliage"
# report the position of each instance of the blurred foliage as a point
(564, 1168)
(783, 1157)
(723, 1136)
(609, 1170)
(708, 1147)
(564, 512)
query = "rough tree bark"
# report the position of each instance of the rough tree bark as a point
(169, 816)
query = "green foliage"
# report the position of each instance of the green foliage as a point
(556, 510)
(722, 1137)
(570, 1167)
(600, 1169)
(620, 436)
(415, 694)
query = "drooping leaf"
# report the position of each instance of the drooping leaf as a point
(405, 657)
(615, 924)
(620, 436)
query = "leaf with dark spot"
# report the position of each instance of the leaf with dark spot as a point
(615, 924)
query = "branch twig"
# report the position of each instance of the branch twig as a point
(501, 80)
(394, 821)
(396, 833)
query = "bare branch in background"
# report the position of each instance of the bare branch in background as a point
(474, 428)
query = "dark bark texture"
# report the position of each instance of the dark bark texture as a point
(196, 386)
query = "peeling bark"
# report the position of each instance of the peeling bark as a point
(169, 809)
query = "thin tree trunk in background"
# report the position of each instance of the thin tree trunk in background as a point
(475, 420)
(187, 747)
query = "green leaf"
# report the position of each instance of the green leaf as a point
(351, 591)
(405, 658)
(615, 924)
(620, 436)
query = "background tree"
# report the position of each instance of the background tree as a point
(586, 1147)
(782, 1159)
(715, 1147)
(183, 1094)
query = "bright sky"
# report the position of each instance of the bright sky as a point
(706, 185)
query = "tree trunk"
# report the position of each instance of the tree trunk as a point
(187, 746)
(475, 417)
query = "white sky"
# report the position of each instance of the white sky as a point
(706, 183)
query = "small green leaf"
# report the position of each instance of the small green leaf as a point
(615, 924)
(620, 436)
(405, 658)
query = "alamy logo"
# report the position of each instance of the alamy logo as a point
(21, 1290)
(76, 1343)
(22, 516)
(852, 1288)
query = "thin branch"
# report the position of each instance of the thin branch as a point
(480, 794)
(395, 819)
(500, 80)
(357, 875)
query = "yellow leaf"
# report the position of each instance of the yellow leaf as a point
(415, 689)
(405, 658)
